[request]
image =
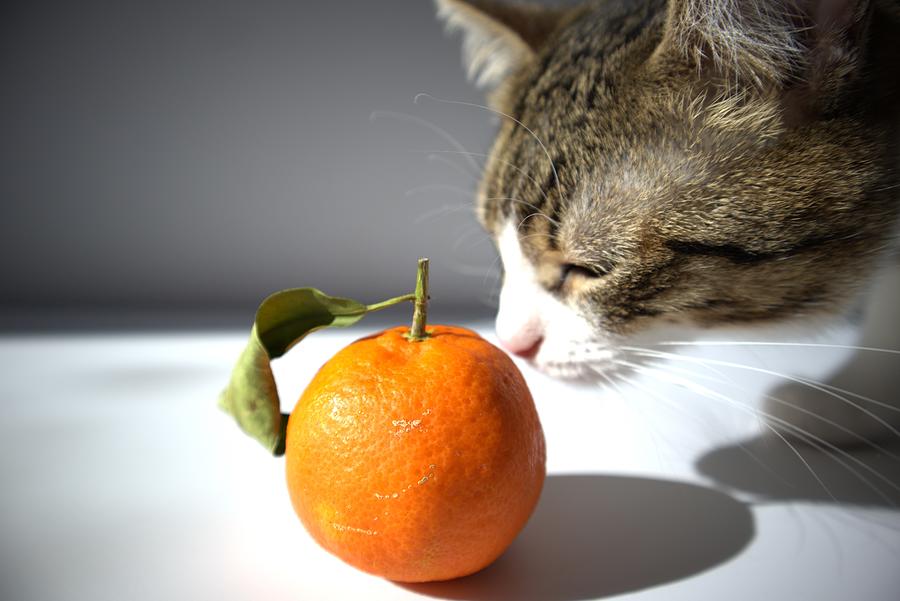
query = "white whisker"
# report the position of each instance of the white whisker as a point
(468, 233)
(535, 235)
(711, 394)
(428, 124)
(609, 380)
(439, 158)
(812, 385)
(870, 520)
(529, 216)
(800, 379)
(527, 204)
(798, 408)
(804, 435)
(519, 170)
(441, 211)
(502, 114)
(790, 344)
(743, 447)
(658, 397)
(856, 395)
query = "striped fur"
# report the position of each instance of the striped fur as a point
(709, 162)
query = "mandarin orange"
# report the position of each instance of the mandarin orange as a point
(416, 460)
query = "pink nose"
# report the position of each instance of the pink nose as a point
(527, 349)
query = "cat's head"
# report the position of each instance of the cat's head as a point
(701, 163)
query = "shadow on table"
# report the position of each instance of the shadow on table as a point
(595, 536)
(769, 468)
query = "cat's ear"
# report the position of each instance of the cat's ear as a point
(770, 42)
(498, 37)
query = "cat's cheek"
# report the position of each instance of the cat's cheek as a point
(570, 340)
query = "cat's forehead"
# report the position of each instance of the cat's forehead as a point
(592, 59)
(590, 106)
(607, 171)
(605, 144)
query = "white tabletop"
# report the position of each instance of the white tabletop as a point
(122, 480)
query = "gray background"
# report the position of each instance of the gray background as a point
(190, 157)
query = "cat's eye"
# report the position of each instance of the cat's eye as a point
(570, 272)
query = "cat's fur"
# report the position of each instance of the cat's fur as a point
(698, 162)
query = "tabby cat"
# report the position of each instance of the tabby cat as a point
(692, 164)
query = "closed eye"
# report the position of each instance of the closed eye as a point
(571, 272)
(571, 269)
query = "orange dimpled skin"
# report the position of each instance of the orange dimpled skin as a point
(416, 461)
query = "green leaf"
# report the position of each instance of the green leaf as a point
(282, 320)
